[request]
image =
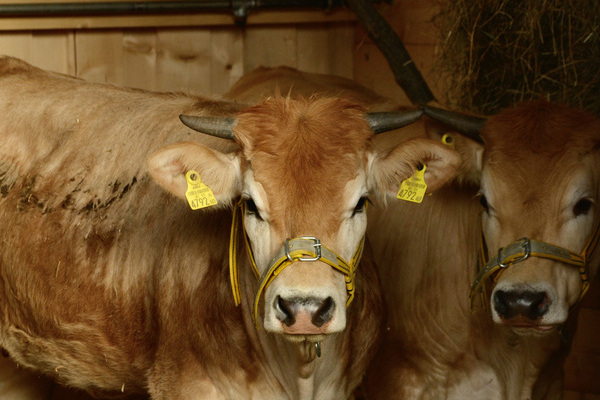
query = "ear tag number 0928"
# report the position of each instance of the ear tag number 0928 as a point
(413, 189)
(198, 194)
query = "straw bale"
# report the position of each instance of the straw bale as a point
(495, 53)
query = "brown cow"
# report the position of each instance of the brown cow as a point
(535, 177)
(111, 284)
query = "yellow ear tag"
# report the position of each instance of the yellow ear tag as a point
(448, 140)
(198, 194)
(413, 189)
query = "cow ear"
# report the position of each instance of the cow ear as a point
(470, 151)
(389, 169)
(471, 154)
(219, 171)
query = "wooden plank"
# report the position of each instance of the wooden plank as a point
(172, 20)
(372, 70)
(270, 46)
(99, 56)
(184, 60)
(139, 59)
(227, 59)
(160, 60)
(208, 60)
(326, 49)
(53, 51)
(313, 49)
(341, 46)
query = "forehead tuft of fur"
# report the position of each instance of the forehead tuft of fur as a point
(282, 124)
(543, 128)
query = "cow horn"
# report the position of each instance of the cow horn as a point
(386, 121)
(468, 125)
(221, 127)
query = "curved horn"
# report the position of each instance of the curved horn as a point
(221, 127)
(468, 125)
(386, 121)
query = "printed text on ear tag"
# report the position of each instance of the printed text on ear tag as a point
(413, 189)
(198, 194)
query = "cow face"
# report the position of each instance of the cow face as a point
(304, 168)
(539, 180)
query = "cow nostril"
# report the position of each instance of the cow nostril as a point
(324, 312)
(285, 311)
(529, 304)
(501, 303)
(540, 303)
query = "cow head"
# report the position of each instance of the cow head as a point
(539, 175)
(304, 168)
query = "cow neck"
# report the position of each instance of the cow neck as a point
(521, 250)
(304, 249)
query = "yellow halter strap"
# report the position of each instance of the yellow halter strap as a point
(524, 248)
(305, 249)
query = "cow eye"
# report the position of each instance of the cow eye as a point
(251, 209)
(484, 203)
(360, 206)
(582, 206)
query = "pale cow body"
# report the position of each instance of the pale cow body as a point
(110, 284)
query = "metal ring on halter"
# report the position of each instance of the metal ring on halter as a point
(526, 247)
(316, 245)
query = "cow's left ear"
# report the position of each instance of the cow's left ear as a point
(219, 171)
(389, 169)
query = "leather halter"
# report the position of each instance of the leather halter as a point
(304, 248)
(525, 248)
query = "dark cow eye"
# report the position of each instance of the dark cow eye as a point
(360, 206)
(251, 209)
(582, 207)
(484, 203)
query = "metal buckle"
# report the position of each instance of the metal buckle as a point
(316, 245)
(526, 246)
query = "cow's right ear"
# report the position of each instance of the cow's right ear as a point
(389, 169)
(470, 151)
(219, 171)
(471, 154)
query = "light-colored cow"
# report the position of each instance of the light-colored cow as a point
(111, 284)
(536, 176)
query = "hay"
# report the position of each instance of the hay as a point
(495, 53)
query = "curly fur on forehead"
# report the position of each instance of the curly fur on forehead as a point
(543, 128)
(307, 149)
(282, 125)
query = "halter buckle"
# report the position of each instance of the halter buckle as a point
(316, 245)
(526, 246)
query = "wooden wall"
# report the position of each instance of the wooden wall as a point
(412, 21)
(204, 59)
(207, 53)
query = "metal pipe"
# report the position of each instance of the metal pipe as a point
(239, 8)
(383, 35)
